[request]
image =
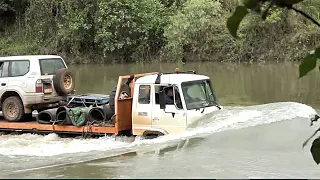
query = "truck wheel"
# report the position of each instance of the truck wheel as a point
(63, 81)
(12, 109)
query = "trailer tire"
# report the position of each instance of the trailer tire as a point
(12, 109)
(63, 81)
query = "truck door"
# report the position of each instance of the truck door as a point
(173, 118)
(142, 110)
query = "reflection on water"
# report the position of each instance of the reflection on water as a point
(233, 84)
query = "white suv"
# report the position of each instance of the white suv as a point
(32, 83)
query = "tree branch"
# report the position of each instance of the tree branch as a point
(305, 15)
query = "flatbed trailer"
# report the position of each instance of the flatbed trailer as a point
(121, 126)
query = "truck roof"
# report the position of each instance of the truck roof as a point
(170, 78)
(28, 57)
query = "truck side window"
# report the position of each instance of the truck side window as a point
(144, 94)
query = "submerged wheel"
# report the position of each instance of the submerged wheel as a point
(12, 109)
(63, 81)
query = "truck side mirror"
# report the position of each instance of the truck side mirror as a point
(162, 100)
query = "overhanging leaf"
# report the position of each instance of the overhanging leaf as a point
(315, 150)
(309, 63)
(234, 21)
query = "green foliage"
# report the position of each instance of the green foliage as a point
(40, 26)
(125, 25)
(4, 6)
(172, 3)
(17, 45)
(76, 27)
(309, 62)
(101, 31)
(191, 27)
(274, 16)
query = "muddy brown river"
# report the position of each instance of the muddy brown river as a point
(259, 134)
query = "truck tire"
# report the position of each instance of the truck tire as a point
(12, 109)
(63, 81)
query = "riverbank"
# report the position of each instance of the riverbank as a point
(107, 32)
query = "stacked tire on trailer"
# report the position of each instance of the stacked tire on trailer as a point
(13, 108)
(79, 116)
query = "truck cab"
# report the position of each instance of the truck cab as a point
(166, 103)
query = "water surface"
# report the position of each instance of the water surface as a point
(258, 135)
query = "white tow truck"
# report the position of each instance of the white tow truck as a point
(149, 104)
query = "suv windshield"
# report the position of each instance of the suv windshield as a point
(198, 94)
(50, 66)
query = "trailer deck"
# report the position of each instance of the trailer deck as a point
(34, 126)
(122, 123)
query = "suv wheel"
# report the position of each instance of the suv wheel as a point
(12, 109)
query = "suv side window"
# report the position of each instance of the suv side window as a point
(50, 66)
(19, 68)
(4, 69)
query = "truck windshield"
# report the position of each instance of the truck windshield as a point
(198, 94)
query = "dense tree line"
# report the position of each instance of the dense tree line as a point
(164, 30)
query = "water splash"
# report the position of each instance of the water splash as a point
(228, 119)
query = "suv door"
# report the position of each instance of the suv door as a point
(17, 71)
(4, 73)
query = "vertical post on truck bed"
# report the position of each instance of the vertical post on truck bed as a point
(123, 107)
(116, 104)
